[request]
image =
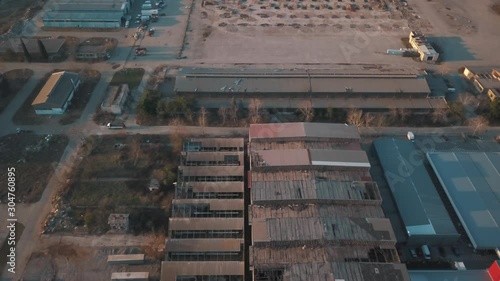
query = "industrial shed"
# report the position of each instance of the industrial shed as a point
(471, 182)
(83, 19)
(85, 13)
(305, 158)
(288, 89)
(303, 131)
(421, 209)
(315, 213)
(394, 87)
(206, 225)
(53, 47)
(56, 94)
(116, 97)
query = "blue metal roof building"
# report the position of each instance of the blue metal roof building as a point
(422, 211)
(471, 181)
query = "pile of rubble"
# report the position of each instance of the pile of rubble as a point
(59, 219)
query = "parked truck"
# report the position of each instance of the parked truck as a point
(150, 12)
(115, 125)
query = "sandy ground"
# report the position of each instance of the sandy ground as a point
(254, 31)
(467, 31)
(73, 258)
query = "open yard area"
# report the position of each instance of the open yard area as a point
(34, 157)
(73, 258)
(14, 80)
(26, 114)
(114, 177)
(305, 31)
(465, 31)
(130, 76)
(327, 31)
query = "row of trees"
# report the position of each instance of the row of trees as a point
(185, 111)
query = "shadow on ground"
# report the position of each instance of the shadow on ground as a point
(451, 49)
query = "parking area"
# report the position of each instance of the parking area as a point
(166, 40)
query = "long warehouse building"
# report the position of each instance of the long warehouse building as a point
(291, 88)
(86, 13)
(471, 182)
(422, 211)
(206, 226)
(316, 221)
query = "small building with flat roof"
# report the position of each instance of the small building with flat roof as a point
(423, 47)
(119, 222)
(471, 182)
(486, 79)
(55, 96)
(422, 211)
(116, 97)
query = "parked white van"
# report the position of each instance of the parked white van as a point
(426, 252)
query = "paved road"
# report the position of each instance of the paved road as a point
(6, 117)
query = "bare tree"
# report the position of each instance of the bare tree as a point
(135, 149)
(439, 115)
(380, 120)
(393, 115)
(369, 119)
(255, 111)
(233, 112)
(189, 116)
(404, 113)
(399, 115)
(223, 112)
(202, 118)
(307, 110)
(478, 124)
(355, 117)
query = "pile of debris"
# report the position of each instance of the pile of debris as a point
(59, 219)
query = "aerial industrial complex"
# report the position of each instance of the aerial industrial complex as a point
(250, 140)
